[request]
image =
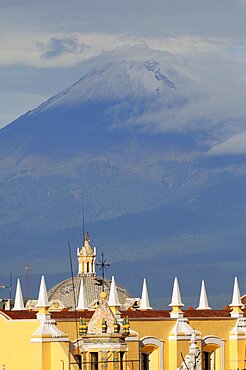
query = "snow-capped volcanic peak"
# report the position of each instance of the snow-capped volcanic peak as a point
(116, 81)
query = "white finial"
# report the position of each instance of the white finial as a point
(43, 296)
(113, 295)
(193, 336)
(176, 297)
(82, 305)
(145, 298)
(236, 298)
(203, 302)
(19, 304)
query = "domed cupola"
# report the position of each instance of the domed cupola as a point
(86, 259)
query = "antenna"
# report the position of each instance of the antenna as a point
(74, 297)
(10, 285)
(83, 226)
(27, 269)
(103, 267)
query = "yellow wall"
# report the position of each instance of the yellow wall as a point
(15, 346)
(18, 353)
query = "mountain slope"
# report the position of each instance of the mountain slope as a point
(150, 194)
(94, 111)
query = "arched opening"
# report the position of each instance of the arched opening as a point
(213, 353)
(151, 353)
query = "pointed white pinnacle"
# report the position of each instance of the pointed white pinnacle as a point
(203, 302)
(113, 295)
(236, 298)
(19, 304)
(145, 298)
(176, 296)
(82, 305)
(43, 296)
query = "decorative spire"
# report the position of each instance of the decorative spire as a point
(236, 303)
(176, 302)
(145, 298)
(113, 295)
(203, 302)
(176, 296)
(236, 298)
(43, 296)
(19, 304)
(82, 305)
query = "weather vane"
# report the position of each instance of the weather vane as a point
(103, 267)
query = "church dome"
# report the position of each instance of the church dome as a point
(92, 284)
(63, 291)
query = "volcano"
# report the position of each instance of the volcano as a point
(153, 198)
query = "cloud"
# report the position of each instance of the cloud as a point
(208, 44)
(137, 17)
(234, 145)
(59, 46)
(211, 107)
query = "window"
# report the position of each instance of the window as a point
(145, 361)
(94, 360)
(121, 360)
(207, 360)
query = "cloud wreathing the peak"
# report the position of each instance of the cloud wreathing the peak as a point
(234, 145)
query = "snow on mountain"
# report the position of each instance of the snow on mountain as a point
(139, 187)
(118, 81)
(110, 97)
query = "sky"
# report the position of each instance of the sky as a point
(48, 45)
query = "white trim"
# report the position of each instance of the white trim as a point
(157, 343)
(211, 339)
(237, 337)
(181, 337)
(42, 340)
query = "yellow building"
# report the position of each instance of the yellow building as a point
(120, 334)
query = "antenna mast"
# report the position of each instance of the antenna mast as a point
(83, 226)
(103, 267)
(27, 269)
(10, 286)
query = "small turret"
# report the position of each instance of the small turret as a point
(86, 258)
(82, 304)
(203, 302)
(176, 302)
(43, 302)
(43, 296)
(19, 303)
(113, 301)
(145, 298)
(236, 303)
(47, 330)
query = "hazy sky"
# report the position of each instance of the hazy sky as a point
(43, 44)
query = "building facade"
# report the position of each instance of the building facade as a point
(112, 335)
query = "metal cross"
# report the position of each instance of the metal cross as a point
(103, 267)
